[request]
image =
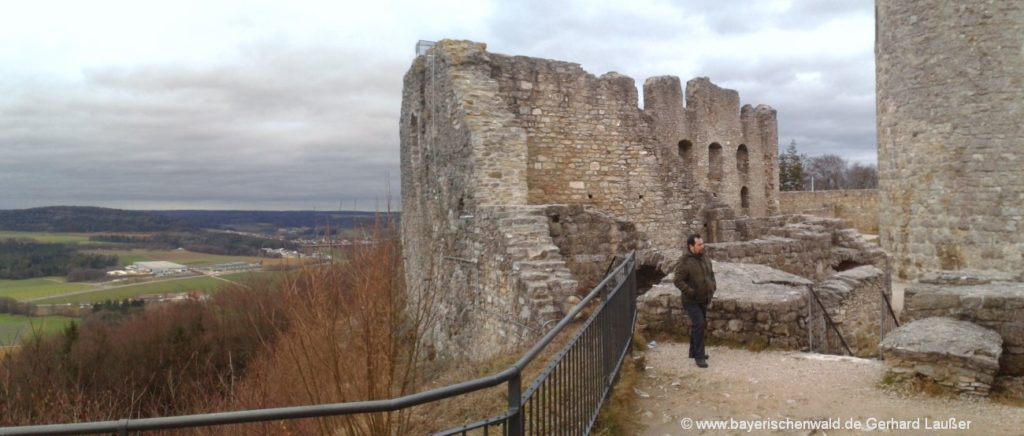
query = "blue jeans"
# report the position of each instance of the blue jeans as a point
(698, 314)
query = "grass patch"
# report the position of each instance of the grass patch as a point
(22, 290)
(916, 384)
(1008, 399)
(47, 238)
(57, 238)
(16, 328)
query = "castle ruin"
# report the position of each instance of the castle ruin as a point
(522, 179)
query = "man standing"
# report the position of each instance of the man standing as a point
(696, 281)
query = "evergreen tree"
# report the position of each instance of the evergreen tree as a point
(791, 169)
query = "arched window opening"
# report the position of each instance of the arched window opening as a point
(715, 162)
(744, 198)
(742, 160)
(686, 152)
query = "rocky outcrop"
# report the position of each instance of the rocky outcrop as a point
(754, 304)
(958, 355)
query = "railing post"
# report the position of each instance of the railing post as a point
(515, 406)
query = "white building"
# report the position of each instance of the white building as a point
(159, 268)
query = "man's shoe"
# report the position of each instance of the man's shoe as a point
(702, 363)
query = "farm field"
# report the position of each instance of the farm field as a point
(54, 238)
(14, 328)
(22, 290)
(204, 284)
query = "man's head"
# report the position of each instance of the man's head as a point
(695, 244)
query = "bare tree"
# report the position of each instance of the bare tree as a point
(859, 176)
(827, 171)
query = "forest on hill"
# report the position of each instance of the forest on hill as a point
(86, 219)
(98, 219)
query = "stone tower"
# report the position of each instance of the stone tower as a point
(950, 88)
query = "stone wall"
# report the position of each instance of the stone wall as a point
(859, 207)
(807, 246)
(589, 239)
(754, 305)
(725, 149)
(471, 244)
(589, 143)
(523, 177)
(950, 99)
(853, 301)
(996, 305)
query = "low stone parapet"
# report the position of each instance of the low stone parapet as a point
(754, 305)
(958, 355)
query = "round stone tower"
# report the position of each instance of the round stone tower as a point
(950, 88)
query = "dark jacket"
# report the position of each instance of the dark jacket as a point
(694, 278)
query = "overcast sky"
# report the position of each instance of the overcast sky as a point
(295, 105)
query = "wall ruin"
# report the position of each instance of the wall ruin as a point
(857, 206)
(522, 178)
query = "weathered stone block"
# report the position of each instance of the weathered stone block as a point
(953, 353)
(976, 303)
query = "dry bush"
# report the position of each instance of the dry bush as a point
(323, 334)
(352, 335)
(155, 363)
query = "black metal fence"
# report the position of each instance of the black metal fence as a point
(888, 320)
(564, 399)
(823, 334)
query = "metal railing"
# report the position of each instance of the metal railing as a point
(564, 399)
(823, 334)
(888, 320)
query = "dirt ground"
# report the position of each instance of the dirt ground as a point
(772, 386)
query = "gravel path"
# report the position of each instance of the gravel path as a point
(775, 385)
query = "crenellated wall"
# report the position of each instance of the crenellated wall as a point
(716, 145)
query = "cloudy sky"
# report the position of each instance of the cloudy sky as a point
(295, 105)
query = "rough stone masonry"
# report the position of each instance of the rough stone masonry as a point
(950, 84)
(522, 178)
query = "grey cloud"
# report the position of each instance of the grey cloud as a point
(278, 124)
(835, 115)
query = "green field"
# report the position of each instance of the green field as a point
(14, 328)
(203, 284)
(55, 238)
(22, 290)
